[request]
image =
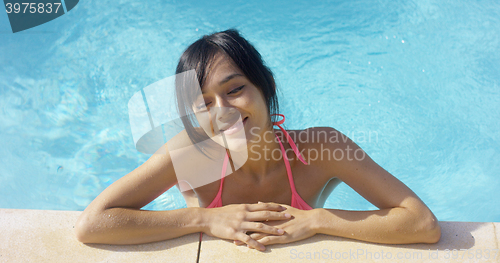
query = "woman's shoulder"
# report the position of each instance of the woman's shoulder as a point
(329, 151)
(318, 135)
(325, 145)
(182, 139)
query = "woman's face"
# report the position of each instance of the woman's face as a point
(230, 106)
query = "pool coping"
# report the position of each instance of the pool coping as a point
(47, 236)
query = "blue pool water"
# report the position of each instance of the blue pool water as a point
(415, 83)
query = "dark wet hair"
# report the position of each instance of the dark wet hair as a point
(201, 54)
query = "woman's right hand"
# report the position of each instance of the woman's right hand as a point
(234, 221)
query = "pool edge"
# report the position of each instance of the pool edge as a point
(46, 235)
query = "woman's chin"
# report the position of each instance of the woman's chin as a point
(236, 142)
(237, 145)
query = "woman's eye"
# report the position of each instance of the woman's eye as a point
(236, 90)
(202, 106)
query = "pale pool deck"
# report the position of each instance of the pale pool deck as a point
(47, 236)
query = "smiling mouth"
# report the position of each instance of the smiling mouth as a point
(237, 126)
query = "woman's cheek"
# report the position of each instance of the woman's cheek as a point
(204, 121)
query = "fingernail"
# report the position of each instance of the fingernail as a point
(288, 215)
(262, 248)
(281, 231)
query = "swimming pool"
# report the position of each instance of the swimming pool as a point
(415, 83)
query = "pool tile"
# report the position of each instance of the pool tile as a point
(470, 241)
(47, 236)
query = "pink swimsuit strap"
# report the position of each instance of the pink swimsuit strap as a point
(297, 201)
(217, 202)
(289, 139)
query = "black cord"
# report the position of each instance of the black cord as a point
(199, 248)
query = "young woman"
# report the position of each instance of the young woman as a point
(277, 194)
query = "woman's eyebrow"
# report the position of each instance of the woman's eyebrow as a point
(228, 78)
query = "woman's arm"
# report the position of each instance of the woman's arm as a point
(114, 217)
(131, 226)
(398, 225)
(402, 218)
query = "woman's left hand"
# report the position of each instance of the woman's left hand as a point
(296, 228)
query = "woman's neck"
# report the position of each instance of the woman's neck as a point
(264, 155)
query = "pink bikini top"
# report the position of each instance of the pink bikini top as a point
(297, 201)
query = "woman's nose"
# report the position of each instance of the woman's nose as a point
(226, 114)
(221, 103)
(223, 112)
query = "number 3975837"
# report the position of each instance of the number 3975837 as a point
(32, 8)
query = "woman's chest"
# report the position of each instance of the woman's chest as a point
(277, 187)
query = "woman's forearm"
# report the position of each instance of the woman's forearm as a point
(132, 226)
(390, 226)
